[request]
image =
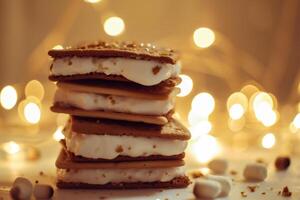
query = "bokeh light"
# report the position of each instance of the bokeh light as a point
(11, 147)
(236, 111)
(34, 88)
(203, 37)
(58, 134)
(114, 26)
(296, 121)
(203, 103)
(32, 113)
(201, 128)
(8, 97)
(249, 90)
(205, 148)
(268, 141)
(185, 86)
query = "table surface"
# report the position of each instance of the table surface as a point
(10, 169)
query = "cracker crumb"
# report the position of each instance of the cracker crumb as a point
(112, 100)
(196, 174)
(260, 160)
(41, 173)
(129, 148)
(103, 175)
(156, 69)
(252, 188)
(154, 146)
(119, 149)
(263, 193)
(286, 192)
(233, 172)
(36, 181)
(243, 194)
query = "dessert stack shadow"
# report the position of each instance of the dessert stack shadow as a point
(121, 134)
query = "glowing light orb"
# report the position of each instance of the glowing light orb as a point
(92, 1)
(11, 147)
(296, 121)
(236, 111)
(114, 26)
(205, 148)
(201, 128)
(268, 141)
(185, 86)
(8, 97)
(203, 103)
(34, 88)
(203, 37)
(32, 113)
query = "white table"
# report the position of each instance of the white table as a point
(9, 170)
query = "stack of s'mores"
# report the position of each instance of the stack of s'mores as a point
(121, 135)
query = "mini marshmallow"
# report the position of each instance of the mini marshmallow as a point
(255, 172)
(218, 165)
(21, 189)
(42, 191)
(204, 188)
(225, 182)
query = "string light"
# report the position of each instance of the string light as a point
(268, 141)
(185, 86)
(205, 148)
(34, 88)
(11, 147)
(8, 97)
(114, 26)
(203, 103)
(58, 134)
(204, 37)
(32, 113)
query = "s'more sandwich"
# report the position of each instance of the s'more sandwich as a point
(121, 134)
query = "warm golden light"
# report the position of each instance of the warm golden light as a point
(58, 134)
(114, 26)
(262, 99)
(268, 141)
(11, 147)
(34, 88)
(296, 121)
(205, 148)
(201, 128)
(62, 119)
(8, 97)
(58, 47)
(249, 90)
(32, 113)
(92, 1)
(185, 86)
(268, 118)
(236, 111)
(203, 103)
(204, 37)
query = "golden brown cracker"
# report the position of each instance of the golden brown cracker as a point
(171, 130)
(151, 119)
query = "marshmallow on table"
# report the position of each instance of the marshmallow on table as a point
(42, 191)
(225, 182)
(204, 188)
(255, 172)
(218, 165)
(21, 189)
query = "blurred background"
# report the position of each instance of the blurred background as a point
(240, 61)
